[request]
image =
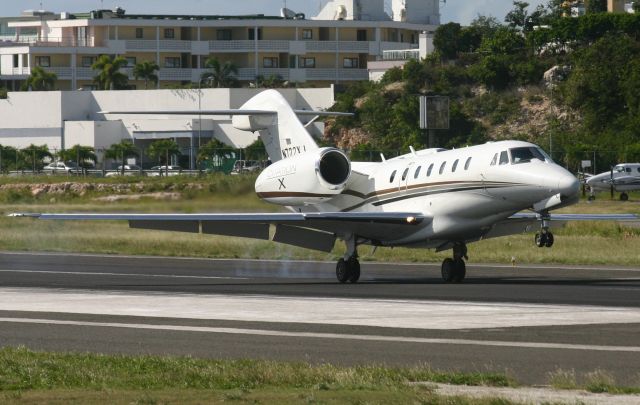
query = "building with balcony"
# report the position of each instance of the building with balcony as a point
(333, 47)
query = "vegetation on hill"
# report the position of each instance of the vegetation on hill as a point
(494, 73)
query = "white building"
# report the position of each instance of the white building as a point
(335, 46)
(61, 119)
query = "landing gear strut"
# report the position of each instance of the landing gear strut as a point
(348, 268)
(624, 197)
(454, 269)
(544, 238)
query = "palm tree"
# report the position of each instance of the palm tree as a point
(164, 147)
(80, 154)
(40, 80)
(34, 155)
(121, 151)
(8, 155)
(109, 76)
(146, 70)
(220, 75)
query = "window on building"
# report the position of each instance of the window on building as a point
(16, 61)
(307, 63)
(88, 61)
(169, 33)
(307, 34)
(172, 62)
(393, 176)
(467, 163)
(350, 63)
(455, 166)
(270, 62)
(43, 61)
(442, 166)
(223, 35)
(361, 35)
(417, 173)
(139, 33)
(252, 34)
(131, 61)
(430, 170)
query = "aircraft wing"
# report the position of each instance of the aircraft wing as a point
(316, 231)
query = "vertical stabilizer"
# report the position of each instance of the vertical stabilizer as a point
(283, 134)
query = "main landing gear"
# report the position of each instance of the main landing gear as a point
(544, 238)
(454, 269)
(348, 268)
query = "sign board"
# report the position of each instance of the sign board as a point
(586, 163)
(434, 112)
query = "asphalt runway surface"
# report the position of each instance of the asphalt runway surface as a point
(527, 321)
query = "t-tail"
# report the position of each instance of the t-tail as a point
(282, 133)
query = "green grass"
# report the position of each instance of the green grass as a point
(598, 381)
(28, 376)
(579, 243)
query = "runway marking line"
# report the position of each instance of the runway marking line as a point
(375, 338)
(84, 273)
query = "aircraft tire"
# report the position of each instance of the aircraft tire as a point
(624, 197)
(354, 270)
(591, 198)
(541, 239)
(448, 270)
(460, 271)
(342, 271)
(549, 241)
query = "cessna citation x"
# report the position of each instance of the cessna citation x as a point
(622, 178)
(434, 198)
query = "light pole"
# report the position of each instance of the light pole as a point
(199, 116)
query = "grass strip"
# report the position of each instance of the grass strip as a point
(28, 376)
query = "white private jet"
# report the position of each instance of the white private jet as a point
(622, 178)
(434, 198)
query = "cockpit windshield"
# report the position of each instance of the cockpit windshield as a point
(527, 154)
(619, 168)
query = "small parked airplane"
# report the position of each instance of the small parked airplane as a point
(434, 198)
(623, 177)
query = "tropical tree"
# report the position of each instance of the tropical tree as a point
(220, 75)
(33, 155)
(82, 155)
(164, 148)
(8, 155)
(596, 6)
(109, 76)
(147, 71)
(209, 149)
(40, 80)
(121, 151)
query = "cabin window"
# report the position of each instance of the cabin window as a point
(494, 160)
(455, 166)
(526, 154)
(467, 163)
(504, 157)
(429, 170)
(638, 169)
(442, 166)
(628, 169)
(417, 173)
(404, 175)
(393, 176)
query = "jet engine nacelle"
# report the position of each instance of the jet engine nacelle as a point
(306, 179)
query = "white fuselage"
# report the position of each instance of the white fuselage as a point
(464, 191)
(624, 177)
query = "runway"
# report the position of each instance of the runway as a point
(526, 321)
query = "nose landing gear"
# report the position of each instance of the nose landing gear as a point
(544, 238)
(454, 269)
